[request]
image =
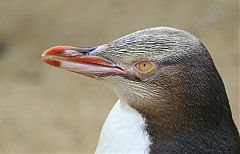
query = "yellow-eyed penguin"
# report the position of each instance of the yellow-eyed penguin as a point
(171, 98)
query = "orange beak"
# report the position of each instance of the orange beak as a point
(81, 60)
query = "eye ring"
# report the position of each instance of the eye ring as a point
(144, 66)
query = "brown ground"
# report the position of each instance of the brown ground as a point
(43, 109)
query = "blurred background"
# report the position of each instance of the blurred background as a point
(44, 109)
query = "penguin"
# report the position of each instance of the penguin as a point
(172, 99)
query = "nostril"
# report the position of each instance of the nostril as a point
(85, 50)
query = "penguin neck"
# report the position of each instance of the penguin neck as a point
(180, 119)
(123, 131)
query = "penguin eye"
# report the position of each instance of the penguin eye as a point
(144, 66)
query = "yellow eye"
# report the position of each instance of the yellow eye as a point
(144, 66)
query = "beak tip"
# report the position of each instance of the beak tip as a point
(54, 50)
(43, 54)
